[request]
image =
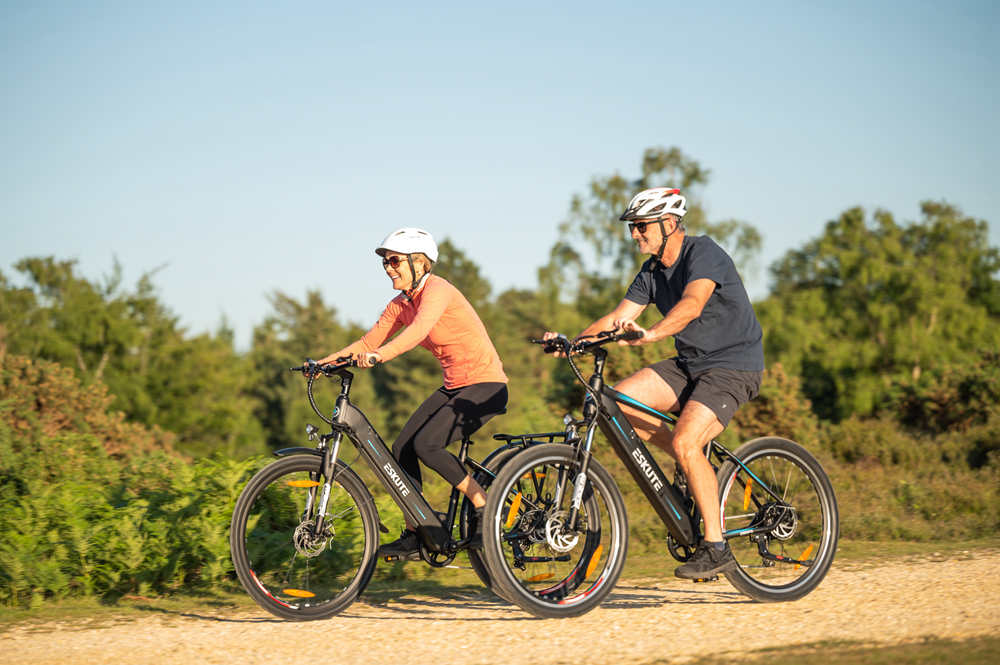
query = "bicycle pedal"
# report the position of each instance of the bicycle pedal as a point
(393, 558)
(713, 578)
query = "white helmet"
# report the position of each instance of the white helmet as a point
(653, 204)
(409, 241)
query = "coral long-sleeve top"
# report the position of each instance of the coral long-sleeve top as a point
(441, 320)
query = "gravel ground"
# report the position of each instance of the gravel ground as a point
(642, 621)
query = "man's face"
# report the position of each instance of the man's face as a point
(648, 241)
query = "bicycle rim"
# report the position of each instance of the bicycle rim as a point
(288, 567)
(784, 544)
(542, 563)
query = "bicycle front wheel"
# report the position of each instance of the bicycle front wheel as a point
(291, 568)
(784, 540)
(537, 558)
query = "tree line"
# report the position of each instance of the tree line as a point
(875, 317)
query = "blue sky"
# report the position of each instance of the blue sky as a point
(245, 148)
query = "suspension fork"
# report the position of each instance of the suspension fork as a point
(580, 484)
(330, 453)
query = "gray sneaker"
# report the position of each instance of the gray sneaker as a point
(707, 561)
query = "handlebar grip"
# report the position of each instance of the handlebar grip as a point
(548, 345)
(630, 335)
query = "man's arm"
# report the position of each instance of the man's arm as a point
(625, 311)
(687, 309)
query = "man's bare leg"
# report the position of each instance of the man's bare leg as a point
(697, 426)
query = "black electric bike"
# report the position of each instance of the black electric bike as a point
(556, 533)
(305, 529)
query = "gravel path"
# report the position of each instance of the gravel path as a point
(642, 621)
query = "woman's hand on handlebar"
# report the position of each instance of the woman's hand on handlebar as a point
(368, 360)
(314, 367)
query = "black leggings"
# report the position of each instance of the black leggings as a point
(446, 416)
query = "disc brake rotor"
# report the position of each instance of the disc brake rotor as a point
(556, 537)
(306, 542)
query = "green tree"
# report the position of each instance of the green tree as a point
(595, 258)
(460, 270)
(293, 331)
(128, 340)
(867, 304)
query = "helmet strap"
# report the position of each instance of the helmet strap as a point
(414, 282)
(666, 237)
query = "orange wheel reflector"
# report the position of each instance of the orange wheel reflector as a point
(298, 593)
(539, 577)
(595, 558)
(512, 515)
(304, 483)
(529, 476)
(746, 493)
(805, 555)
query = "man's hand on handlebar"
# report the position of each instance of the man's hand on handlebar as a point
(626, 333)
(556, 341)
(627, 326)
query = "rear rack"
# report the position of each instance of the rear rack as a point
(537, 437)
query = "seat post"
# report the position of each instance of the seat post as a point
(464, 449)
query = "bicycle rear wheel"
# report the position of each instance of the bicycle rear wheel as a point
(536, 559)
(784, 544)
(468, 525)
(283, 563)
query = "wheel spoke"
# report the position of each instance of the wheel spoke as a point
(793, 539)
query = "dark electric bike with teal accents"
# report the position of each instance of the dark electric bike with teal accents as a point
(556, 533)
(305, 529)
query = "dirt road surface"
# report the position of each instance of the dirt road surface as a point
(642, 621)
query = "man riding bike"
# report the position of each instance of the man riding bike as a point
(434, 314)
(720, 356)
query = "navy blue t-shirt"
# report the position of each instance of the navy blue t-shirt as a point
(727, 334)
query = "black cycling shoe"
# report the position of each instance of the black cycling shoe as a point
(707, 561)
(402, 547)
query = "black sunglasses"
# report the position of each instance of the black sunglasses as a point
(638, 226)
(393, 261)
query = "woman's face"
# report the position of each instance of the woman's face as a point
(398, 269)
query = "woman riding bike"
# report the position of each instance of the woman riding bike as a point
(434, 314)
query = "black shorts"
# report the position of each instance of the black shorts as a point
(721, 390)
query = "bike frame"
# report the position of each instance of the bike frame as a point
(348, 419)
(677, 513)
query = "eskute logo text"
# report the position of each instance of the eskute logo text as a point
(396, 480)
(647, 469)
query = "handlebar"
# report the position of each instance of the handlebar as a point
(311, 368)
(590, 343)
(563, 343)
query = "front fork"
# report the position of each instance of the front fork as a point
(331, 450)
(329, 464)
(580, 483)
